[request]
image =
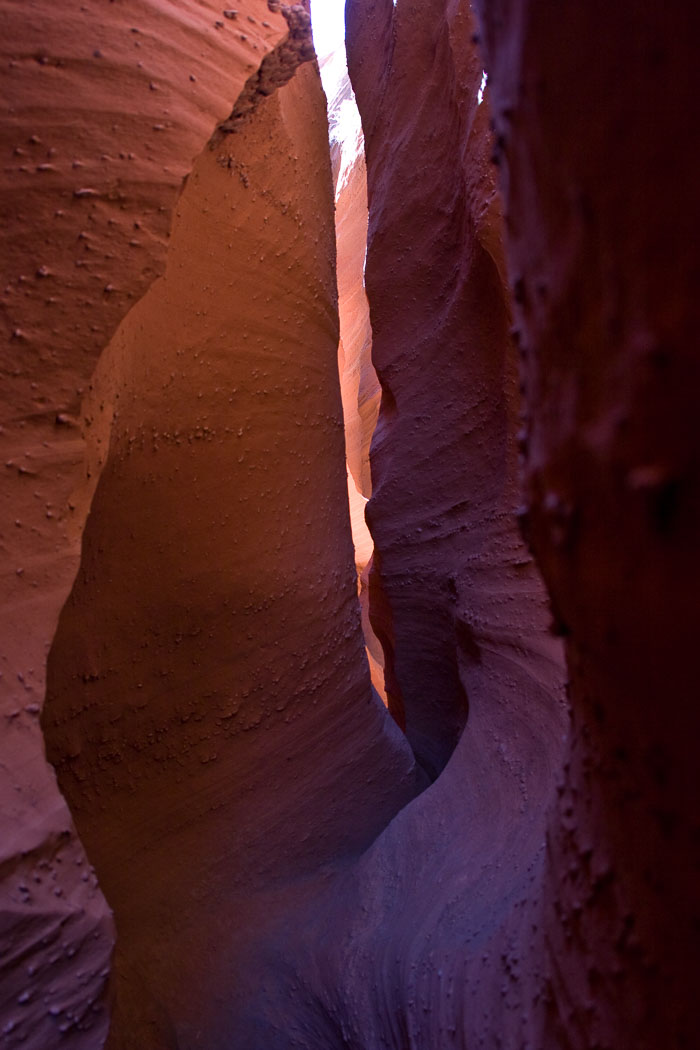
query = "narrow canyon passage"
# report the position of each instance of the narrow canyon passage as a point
(238, 314)
(359, 384)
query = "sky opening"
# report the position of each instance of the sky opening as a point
(328, 21)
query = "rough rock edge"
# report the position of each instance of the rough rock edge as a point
(276, 69)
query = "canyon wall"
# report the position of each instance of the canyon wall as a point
(454, 591)
(593, 104)
(444, 912)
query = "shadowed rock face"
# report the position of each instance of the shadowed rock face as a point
(454, 587)
(253, 813)
(443, 910)
(603, 219)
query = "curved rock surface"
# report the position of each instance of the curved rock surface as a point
(443, 909)
(437, 923)
(571, 919)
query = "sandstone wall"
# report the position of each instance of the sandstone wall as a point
(596, 944)
(458, 589)
(593, 104)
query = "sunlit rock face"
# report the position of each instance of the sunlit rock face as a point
(359, 384)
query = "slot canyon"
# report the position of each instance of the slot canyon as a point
(271, 777)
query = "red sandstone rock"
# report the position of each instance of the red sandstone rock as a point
(594, 942)
(443, 904)
(104, 120)
(593, 107)
(104, 113)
